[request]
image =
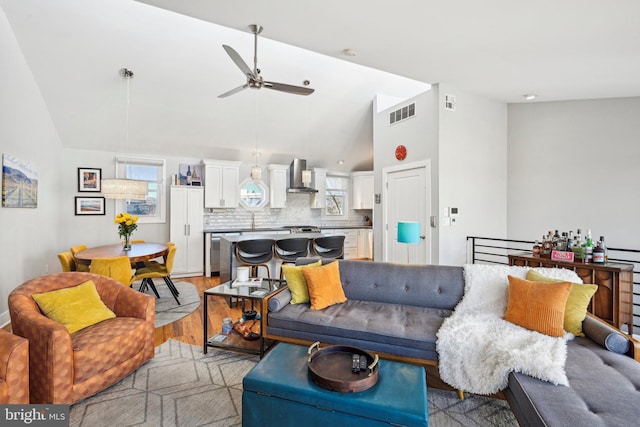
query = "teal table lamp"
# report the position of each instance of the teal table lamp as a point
(408, 233)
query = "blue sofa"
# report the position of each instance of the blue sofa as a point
(396, 310)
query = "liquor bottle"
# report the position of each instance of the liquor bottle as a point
(189, 175)
(546, 246)
(604, 248)
(537, 249)
(562, 243)
(555, 241)
(588, 247)
(578, 248)
(570, 241)
(598, 254)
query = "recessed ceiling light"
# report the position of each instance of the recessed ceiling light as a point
(530, 96)
(340, 162)
(349, 52)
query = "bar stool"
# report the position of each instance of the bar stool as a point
(329, 246)
(288, 250)
(255, 253)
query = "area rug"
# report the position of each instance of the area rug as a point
(182, 386)
(167, 310)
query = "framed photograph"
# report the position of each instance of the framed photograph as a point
(19, 183)
(89, 206)
(89, 180)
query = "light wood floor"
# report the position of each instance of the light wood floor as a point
(190, 329)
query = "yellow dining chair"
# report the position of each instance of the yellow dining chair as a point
(154, 263)
(74, 251)
(67, 261)
(147, 274)
(118, 268)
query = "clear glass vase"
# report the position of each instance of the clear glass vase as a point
(127, 242)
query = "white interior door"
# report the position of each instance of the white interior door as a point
(407, 197)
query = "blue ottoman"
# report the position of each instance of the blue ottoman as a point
(279, 392)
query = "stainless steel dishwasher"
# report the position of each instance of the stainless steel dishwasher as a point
(215, 251)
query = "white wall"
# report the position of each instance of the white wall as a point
(467, 149)
(26, 131)
(420, 136)
(575, 164)
(473, 171)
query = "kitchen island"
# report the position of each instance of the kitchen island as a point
(228, 262)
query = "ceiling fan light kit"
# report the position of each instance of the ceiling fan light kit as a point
(254, 79)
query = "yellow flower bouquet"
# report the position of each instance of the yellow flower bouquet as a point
(127, 224)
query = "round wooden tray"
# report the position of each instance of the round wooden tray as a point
(331, 368)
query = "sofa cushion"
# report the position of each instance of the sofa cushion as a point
(105, 345)
(297, 283)
(601, 384)
(403, 326)
(325, 288)
(76, 307)
(576, 307)
(538, 306)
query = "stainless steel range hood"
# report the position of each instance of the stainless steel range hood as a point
(295, 177)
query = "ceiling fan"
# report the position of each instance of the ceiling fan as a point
(254, 79)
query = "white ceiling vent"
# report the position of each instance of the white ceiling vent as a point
(449, 102)
(402, 113)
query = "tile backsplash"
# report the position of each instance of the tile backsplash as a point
(297, 212)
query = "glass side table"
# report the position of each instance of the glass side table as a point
(251, 293)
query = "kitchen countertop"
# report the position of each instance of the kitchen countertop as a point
(234, 239)
(261, 229)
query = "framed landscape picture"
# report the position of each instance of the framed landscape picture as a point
(19, 183)
(89, 206)
(89, 179)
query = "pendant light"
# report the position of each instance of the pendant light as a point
(256, 171)
(124, 188)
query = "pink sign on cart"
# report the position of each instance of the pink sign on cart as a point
(562, 256)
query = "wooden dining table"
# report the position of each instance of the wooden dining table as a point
(139, 252)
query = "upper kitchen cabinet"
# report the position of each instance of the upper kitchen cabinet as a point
(278, 182)
(319, 182)
(221, 181)
(362, 190)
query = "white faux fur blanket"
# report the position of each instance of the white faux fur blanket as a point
(477, 349)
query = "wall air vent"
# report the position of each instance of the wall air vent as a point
(449, 102)
(402, 113)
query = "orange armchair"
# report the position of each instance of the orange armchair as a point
(14, 369)
(66, 368)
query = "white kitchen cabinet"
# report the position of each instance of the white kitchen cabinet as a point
(186, 230)
(319, 182)
(278, 184)
(362, 190)
(221, 183)
(365, 243)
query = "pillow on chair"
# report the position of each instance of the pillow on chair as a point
(76, 308)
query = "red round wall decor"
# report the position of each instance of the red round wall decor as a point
(401, 152)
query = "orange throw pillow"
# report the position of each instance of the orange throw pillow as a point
(324, 284)
(538, 306)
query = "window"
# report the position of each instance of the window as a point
(151, 209)
(337, 191)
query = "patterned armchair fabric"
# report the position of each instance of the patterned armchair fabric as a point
(14, 369)
(66, 368)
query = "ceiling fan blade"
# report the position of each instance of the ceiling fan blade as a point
(232, 91)
(297, 90)
(239, 61)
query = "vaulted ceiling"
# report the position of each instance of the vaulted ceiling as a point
(501, 49)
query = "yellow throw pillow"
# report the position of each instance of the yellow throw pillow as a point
(296, 282)
(576, 308)
(325, 288)
(76, 308)
(537, 306)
